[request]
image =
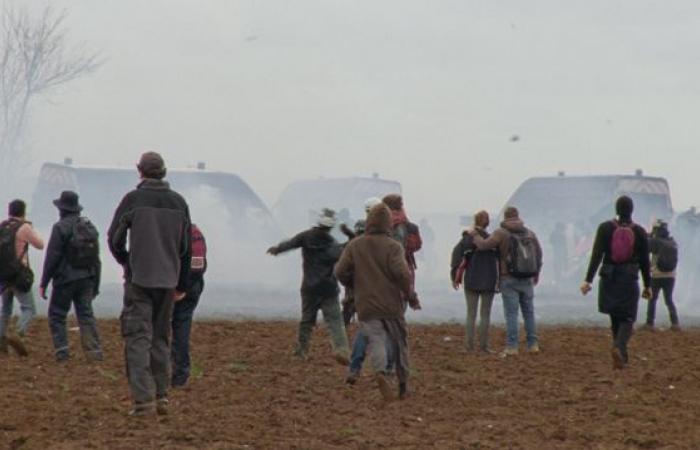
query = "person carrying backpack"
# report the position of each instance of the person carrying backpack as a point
(72, 264)
(16, 277)
(478, 271)
(520, 256)
(184, 309)
(622, 247)
(404, 231)
(664, 261)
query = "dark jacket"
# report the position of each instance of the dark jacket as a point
(320, 251)
(56, 265)
(619, 283)
(156, 221)
(500, 239)
(374, 265)
(482, 269)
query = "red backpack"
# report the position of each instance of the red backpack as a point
(199, 250)
(622, 243)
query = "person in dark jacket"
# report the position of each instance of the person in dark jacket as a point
(663, 279)
(319, 287)
(480, 278)
(618, 291)
(183, 310)
(73, 281)
(156, 222)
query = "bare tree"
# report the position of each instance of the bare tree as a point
(35, 58)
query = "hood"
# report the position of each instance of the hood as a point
(378, 220)
(513, 225)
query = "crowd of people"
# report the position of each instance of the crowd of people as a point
(163, 255)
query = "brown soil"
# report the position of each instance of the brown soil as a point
(248, 391)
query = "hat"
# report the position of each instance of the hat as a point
(371, 203)
(152, 165)
(68, 202)
(327, 218)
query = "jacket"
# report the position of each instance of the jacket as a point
(374, 265)
(56, 265)
(500, 239)
(481, 274)
(602, 252)
(320, 251)
(156, 222)
(656, 245)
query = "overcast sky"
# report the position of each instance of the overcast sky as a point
(425, 92)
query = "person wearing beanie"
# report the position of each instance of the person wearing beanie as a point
(664, 259)
(319, 288)
(622, 247)
(72, 266)
(155, 223)
(375, 266)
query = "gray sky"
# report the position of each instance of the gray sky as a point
(425, 92)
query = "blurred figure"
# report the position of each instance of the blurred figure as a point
(404, 231)
(319, 288)
(16, 277)
(478, 270)
(560, 252)
(72, 265)
(622, 247)
(664, 261)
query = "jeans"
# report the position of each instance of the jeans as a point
(330, 307)
(359, 352)
(388, 340)
(518, 294)
(182, 326)
(666, 285)
(27, 306)
(484, 318)
(79, 293)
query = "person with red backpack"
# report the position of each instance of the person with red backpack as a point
(622, 247)
(184, 310)
(404, 231)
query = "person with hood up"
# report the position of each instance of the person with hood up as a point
(319, 287)
(478, 270)
(622, 247)
(374, 265)
(520, 265)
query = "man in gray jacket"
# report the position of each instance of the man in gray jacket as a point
(155, 221)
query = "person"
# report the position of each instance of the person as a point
(374, 265)
(16, 236)
(72, 265)
(520, 256)
(319, 287)
(622, 247)
(156, 222)
(184, 310)
(478, 270)
(560, 251)
(664, 261)
(404, 231)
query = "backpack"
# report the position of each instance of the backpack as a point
(83, 250)
(667, 257)
(10, 262)
(199, 250)
(523, 259)
(622, 243)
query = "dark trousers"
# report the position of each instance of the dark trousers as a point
(145, 322)
(330, 307)
(622, 329)
(182, 326)
(80, 294)
(657, 286)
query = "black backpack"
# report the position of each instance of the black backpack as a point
(523, 259)
(83, 250)
(10, 264)
(667, 259)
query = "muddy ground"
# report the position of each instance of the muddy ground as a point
(249, 392)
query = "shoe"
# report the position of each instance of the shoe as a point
(488, 351)
(18, 345)
(617, 359)
(384, 388)
(509, 351)
(352, 378)
(403, 391)
(162, 406)
(301, 355)
(4, 350)
(675, 327)
(342, 359)
(143, 410)
(534, 349)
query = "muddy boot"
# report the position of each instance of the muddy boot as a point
(352, 377)
(3, 346)
(385, 388)
(17, 345)
(162, 406)
(342, 358)
(618, 361)
(143, 410)
(403, 391)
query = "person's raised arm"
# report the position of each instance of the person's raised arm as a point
(285, 246)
